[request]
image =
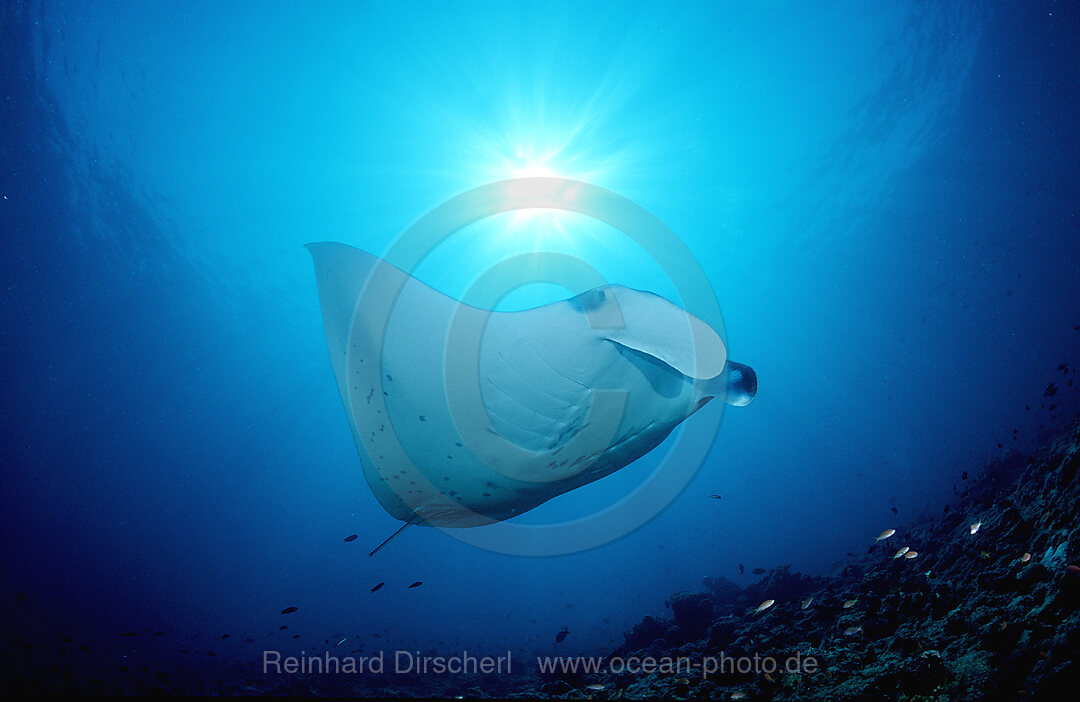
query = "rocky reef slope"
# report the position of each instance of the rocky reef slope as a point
(985, 608)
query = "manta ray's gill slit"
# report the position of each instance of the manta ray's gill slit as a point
(530, 383)
(553, 369)
(535, 412)
(502, 418)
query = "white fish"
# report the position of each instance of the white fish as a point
(885, 534)
(975, 527)
(902, 551)
(765, 605)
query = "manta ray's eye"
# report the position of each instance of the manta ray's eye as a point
(590, 301)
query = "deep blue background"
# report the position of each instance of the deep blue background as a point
(884, 197)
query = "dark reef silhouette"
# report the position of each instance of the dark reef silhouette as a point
(986, 609)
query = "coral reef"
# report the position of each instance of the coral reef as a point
(983, 604)
(977, 603)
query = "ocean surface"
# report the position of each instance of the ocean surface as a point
(884, 198)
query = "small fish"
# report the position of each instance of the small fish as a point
(224, 636)
(758, 571)
(901, 552)
(561, 636)
(289, 610)
(418, 583)
(770, 678)
(128, 633)
(885, 534)
(849, 604)
(714, 497)
(341, 642)
(893, 510)
(852, 630)
(350, 537)
(963, 475)
(807, 602)
(975, 527)
(911, 554)
(765, 605)
(738, 695)
(378, 586)
(596, 687)
(682, 681)
(741, 569)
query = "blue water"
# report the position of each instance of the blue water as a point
(883, 197)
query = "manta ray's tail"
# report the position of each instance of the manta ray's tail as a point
(388, 539)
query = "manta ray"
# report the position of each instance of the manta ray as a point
(464, 417)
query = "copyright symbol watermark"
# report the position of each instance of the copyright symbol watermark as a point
(505, 425)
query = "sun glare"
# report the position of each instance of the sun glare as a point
(527, 164)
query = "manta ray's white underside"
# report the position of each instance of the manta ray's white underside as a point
(463, 416)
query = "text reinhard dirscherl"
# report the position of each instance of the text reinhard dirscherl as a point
(404, 662)
(465, 663)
